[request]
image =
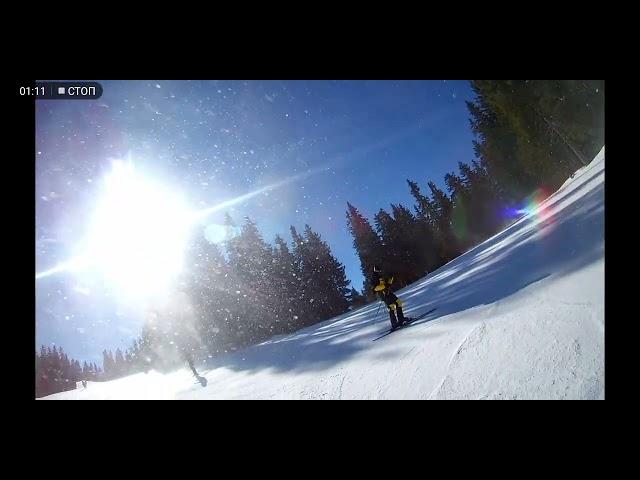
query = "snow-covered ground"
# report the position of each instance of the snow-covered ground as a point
(520, 316)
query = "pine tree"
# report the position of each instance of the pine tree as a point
(406, 249)
(119, 364)
(304, 287)
(426, 228)
(251, 258)
(443, 212)
(326, 277)
(43, 381)
(210, 288)
(55, 371)
(389, 260)
(424, 208)
(496, 144)
(356, 299)
(412, 249)
(487, 202)
(286, 277)
(367, 244)
(533, 133)
(77, 371)
(462, 218)
(109, 365)
(134, 359)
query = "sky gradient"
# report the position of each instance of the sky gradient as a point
(337, 142)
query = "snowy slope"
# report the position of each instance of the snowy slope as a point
(519, 316)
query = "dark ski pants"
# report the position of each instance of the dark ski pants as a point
(395, 309)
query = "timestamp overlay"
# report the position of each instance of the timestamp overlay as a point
(79, 90)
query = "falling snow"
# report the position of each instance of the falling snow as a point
(259, 139)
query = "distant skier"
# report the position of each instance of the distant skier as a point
(202, 380)
(382, 287)
(173, 320)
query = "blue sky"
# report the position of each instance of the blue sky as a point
(216, 140)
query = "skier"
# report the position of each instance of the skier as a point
(202, 380)
(176, 317)
(382, 288)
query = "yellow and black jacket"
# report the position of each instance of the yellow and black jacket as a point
(383, 286)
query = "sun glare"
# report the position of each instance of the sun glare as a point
(138, 233)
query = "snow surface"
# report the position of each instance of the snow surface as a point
(520, 316)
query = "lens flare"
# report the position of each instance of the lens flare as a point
(139, 230)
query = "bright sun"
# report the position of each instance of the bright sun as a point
(138, 233)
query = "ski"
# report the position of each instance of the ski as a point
(408, 322)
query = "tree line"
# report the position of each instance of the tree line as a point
(56, 372)
(530, 136)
